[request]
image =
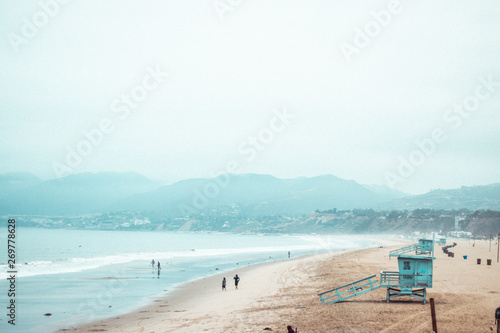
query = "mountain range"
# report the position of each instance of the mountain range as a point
(253, 194)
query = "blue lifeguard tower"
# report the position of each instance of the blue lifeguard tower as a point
(413, 277)
(423, 247)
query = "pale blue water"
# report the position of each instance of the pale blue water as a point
(81, 275)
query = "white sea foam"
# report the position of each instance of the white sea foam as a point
(78, 264)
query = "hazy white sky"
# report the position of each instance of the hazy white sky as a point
(364, 90)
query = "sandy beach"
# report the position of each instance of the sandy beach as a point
(276, 294)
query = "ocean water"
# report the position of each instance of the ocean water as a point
(82, 275)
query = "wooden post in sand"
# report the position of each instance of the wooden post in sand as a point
(498, 245)
(433, 315)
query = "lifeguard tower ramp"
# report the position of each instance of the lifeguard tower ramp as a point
(350, 290)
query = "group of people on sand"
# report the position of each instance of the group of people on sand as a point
(236, 281)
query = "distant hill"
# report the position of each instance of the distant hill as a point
(258, 195)
(250, 195)
(386, 191)
(14, 181)
(75, 194)
(473, 198)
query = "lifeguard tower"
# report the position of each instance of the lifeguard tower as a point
(423, 247)
(412, 279)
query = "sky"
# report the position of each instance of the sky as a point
(403, 94)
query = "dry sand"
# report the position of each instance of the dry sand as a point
(274, 295)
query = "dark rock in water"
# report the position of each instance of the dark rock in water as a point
(48, 314)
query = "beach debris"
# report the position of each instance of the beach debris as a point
(48, 314)
(268, 329)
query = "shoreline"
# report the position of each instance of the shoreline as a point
(182, 297)
(275, 294)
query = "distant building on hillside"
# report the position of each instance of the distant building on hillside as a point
(459, 234)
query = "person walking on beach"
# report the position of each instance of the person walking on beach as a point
(159, 266)
(153, 264)
(224, 284)
(236, 281)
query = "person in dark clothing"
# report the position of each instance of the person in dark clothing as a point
(236, 281)
(224, 284)
(291, 330)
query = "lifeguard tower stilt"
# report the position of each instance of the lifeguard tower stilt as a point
(412, 279)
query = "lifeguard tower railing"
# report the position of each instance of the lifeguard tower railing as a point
(396, 279)
(403, 250)
(424, 247)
